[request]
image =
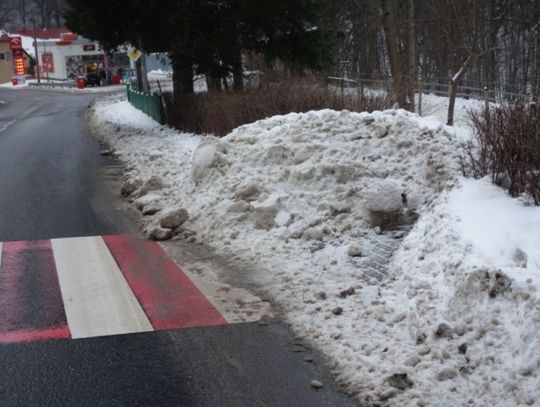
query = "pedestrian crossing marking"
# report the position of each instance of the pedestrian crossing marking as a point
(95, 286)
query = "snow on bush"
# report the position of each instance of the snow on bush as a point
(298, 201)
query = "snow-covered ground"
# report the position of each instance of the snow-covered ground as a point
(321, 210)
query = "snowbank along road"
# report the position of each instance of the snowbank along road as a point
(362, 230)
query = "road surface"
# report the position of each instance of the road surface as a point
(50, 188)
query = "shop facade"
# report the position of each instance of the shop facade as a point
(64, 55)
(74, 56)
(14, 61)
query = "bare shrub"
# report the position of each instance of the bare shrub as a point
(221, 112)
(506, 147)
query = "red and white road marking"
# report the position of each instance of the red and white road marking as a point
(95, 286)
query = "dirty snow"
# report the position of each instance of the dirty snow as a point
(438, 311)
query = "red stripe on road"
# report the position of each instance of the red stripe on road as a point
(61, 332)
(168, 297)
(30, 298)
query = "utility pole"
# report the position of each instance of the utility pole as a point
(36, 51)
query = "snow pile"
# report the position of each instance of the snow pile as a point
(458, 324)
(318, 172)
(314, 207)
(122, 115)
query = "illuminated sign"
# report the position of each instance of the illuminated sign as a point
(15, 43)
(19, 66)
(89, 47)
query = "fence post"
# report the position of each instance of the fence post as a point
(420, 91)
(486, 107)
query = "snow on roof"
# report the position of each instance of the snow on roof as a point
(27, 41)
(43, 34)
(28, 45)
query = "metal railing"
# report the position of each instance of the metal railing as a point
(149, 103)
(54, 84)
(439, 89)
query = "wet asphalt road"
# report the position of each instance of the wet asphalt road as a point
(50, 187)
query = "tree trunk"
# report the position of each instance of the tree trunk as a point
(452, 91)
(396, 67)
(238, 75)
(213, 82)
(182, 67)
(138, 72)
(411, 55)
(537, 73)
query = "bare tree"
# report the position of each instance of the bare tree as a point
(21, 9)
(401, 55)
(454, 82)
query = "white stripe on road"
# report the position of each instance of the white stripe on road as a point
(97, 298)
(21, 116)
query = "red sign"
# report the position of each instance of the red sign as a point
(69, 37)
(18, 53)
(15, 43)
(47, 62)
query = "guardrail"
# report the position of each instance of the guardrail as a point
(54, 84)
(149, 103)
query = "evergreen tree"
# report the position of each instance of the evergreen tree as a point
(207, 36)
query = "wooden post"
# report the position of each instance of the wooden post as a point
(454, 82)
(420, 90)
(486, 107)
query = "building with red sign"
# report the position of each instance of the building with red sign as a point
(61, 54)
(14, 60)
(65, 55)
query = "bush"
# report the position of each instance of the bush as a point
(220, 112)
(506, 147)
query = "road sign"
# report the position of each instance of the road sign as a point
(134, 54)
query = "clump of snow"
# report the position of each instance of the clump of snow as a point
(385, 196)
(290, 197)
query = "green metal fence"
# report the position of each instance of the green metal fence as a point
(146, 102)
